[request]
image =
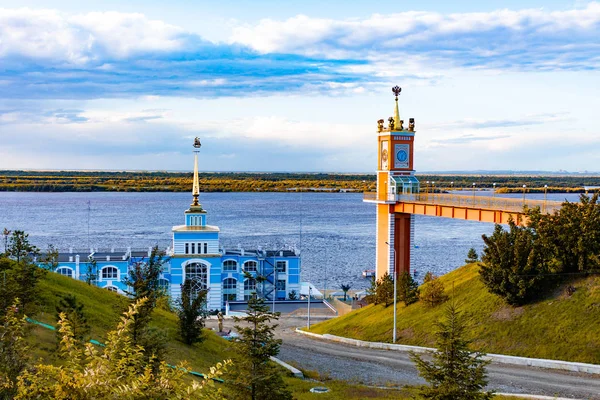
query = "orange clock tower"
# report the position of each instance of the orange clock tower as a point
(395, 179)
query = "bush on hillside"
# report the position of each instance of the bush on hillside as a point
(432, 291)
(408, 289)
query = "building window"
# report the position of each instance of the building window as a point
(205, 248)
(110, 273)
(281, 266)
(163, 285)
(187, 248)
(193, 248)
(65, 271)
(281, 284)
(112, 289)
(250, 266)
(230, 265)
(229, 289)
(250, 285)
(198, 274)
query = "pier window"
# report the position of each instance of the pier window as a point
(250, 266)
(198, 274)
(229, 289)
(163, 285)
(205, 248)
(193, 248)
(187, 248)
(230, 265)
(110, 273)
(65, 271)
(281, 284)
(249, 288)
(281, 266)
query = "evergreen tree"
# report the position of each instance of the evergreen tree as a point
(432, 291)
(454, 372)
(408, 288)
(13, 350)
(255, 376)
(372, 291)
(191, 309)
(6, 233)
(73, 311)
(49, 260)
(514, 264)
(472, 256)
(91, 274)
(385, 290)
(19, 247)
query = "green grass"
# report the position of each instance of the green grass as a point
(103, 310)
(558, 327)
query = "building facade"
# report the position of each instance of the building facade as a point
(230, 275)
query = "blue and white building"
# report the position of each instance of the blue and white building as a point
(196, 254)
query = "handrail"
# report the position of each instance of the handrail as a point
(330, 306)
(480, 202)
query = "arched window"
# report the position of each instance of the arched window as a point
(65, 271)
(229, 265)
(250, 266)
(249, 288)
(229, 289)
(110, 273)
(198, 274)
(112, 289)
(163, 285)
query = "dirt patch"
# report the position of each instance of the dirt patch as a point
(507, 313)
(407, 333)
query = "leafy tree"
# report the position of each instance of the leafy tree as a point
(49, 260)
(408, 288)
(255, 376)
(14, 352)
(472, 256)
(385, 290)
(454, 371)
(513, 264)
(345, 288)
(432, 291)
(191, 309)
(73, 311)
(118, 370)
(91, 274)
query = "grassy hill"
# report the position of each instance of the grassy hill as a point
(558, 327)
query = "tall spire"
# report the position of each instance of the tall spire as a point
(196, 185)
(397, 126)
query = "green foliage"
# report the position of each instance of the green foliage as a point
(191, 309)
(19, 247)
(454, 372)
(255, 376)
(19, 280)
(73, 310)
(14, 352)
(293, 295)
(345, 288)
(514, 264)
(6, 233)
(91, 274)
(432, 291)
(408, 288)
(118, 370)
(49, 261)
(472, 256)
(385, 290)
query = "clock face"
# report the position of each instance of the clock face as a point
(402, 156)
(401, 153)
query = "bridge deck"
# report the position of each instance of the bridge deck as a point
(474, 208)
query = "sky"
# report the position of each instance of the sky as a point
(298, 85)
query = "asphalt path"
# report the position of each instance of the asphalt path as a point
(394, 368)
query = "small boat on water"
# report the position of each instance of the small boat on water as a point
(368, 273)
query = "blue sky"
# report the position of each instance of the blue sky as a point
(298, 86)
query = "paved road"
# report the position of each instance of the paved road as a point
(383, 367)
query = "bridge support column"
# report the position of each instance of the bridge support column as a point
(395, 229)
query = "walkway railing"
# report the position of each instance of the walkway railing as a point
(476, 202)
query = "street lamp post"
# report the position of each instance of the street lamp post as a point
(524, 187)
(545, 196)
(494, 192)
(451, 186)
(433, 187)
(308, 321)
(473, 193)
(395, 293)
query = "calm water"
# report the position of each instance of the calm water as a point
(335, 231)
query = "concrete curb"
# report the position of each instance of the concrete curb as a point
(533, 396)
(498, 358)
(295, 371)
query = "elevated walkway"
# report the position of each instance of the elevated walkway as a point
(473, 208)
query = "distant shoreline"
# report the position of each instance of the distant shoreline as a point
(120, 181)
